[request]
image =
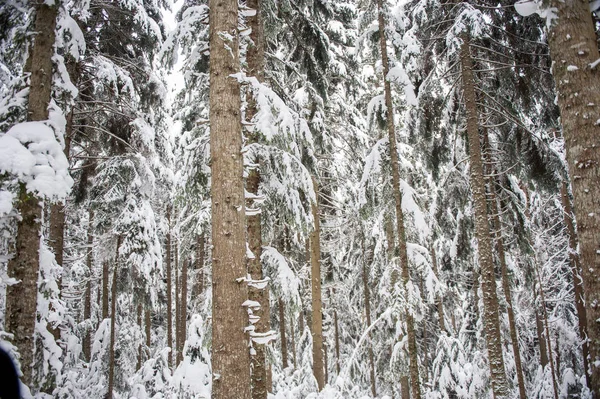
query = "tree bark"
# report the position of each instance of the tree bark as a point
(113, 317)
(337, 342)
(21, 298)
(87, 309)
(486, 262)
(317, 304)
(292, 333)
(573, 48)
(105, 290)
(148, 325)
(255, 58)
(230, 359)
(541, 339)
(177, 307)
(169, 272)
(368, 315)
(183, 311)
(139, 323)
(401, 236)
(284, 351)
(575, 263)
(496, 226)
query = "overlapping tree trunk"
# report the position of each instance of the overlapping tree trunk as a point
(410, 323)
(482, 229)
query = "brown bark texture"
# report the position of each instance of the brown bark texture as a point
(365, 277)
(230, 359)
(255, 59)
(105, 290)
(169, 272)
(573, 48)
(482, 230)
(21, 298)
(177, 309)
(284, 351)
(541, 339)
(401, 236)
(317, 303)
(182, 311)
(87, 307)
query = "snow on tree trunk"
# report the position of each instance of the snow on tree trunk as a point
(21, 298)
(401, 236)
(87, 309)
(169, 288)
(486, 262)
(574, 52)
(230, 360)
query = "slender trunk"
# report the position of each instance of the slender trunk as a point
(293, 334)
(230, 360)
(177, 308)
(573, 48)
(198, 287)
(405, 387)
(255, 58)
(148, 325)
(486, 262)
(337, 342)
(284, 352)
(401, 236)
(541, 339)
(113, 317)
(169, 272)
(87, 309)
(105, 290)
(317, 305)
(547, 328)
(576, 271)
(21, 298)
(496, 226)
(439, 301)
(183, 311)
(368, 315)
(139, 322)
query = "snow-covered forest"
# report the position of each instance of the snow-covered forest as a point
(300, 198)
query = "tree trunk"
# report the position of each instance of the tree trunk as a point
(183, 311)
(87, 309)
(439, 300)
(169, 272)
(177, 307)
(317, 304)
(148, 325)
(198, 287)
(139, 323)
(401, 236)
(573, 48)
(21, 298)
(337, 342)
(368, 315)
(292, 333)
(541, 339)
(105, 290)
(405, 387)
(496, 226)
(255, 59)
(230, 359)
(486, 262)
(284, 352)
(113, 317)
(576, 271)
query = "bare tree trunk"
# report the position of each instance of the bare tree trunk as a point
(230, 359)
(139, 323)
(105, 290)
(284, 352)
(401, 236)
(21, 298)
(368, 315)
(183, 311)
(198, 287)
(148, 325)
(113, 317)
(177, 307)
(258, 361)
(169, 272)
(337, 342)
(573, 48)
(405, 387)
(541, 339)
(87, 309)
(577, 283)
(496, 226)
(317, 304)
(439, 300)
(486, 262)
(292, 333)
